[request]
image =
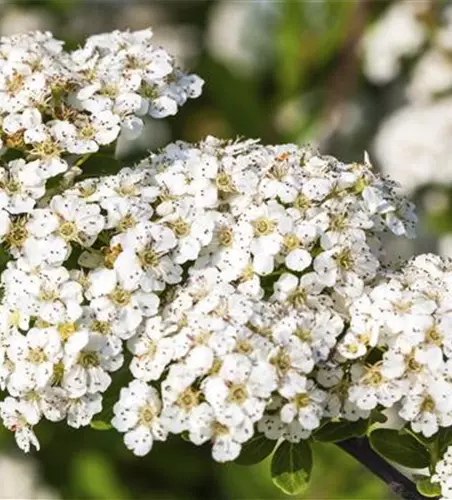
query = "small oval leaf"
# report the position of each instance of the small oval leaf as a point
(100, 425)
(255, 450)
(338, 431)
(400, 448)
(291, 467)
(427, 488)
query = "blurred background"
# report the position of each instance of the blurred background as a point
(347, 77)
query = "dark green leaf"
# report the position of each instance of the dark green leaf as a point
(425, 441)
(427, 488)
(12, 154)
(403, 449)
(5, 257)
(72, 261)
(100, 425)
(444, 437)
(99, 165)
(337, 431)
(291, 467)
(377, 416)
(255, 450)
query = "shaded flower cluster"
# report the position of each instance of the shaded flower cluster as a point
(414, 139)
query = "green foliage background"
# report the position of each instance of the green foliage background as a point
(310, 65)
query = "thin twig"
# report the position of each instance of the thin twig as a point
(401, 485)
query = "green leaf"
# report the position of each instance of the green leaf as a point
(72, 261)
(444, 437)
(427, 442)
(185, 436)
(338, 431)
(12, 154)
(291, 467)
(427, 488)
(255, 450)
(100, 425)
(377, 416)
(400, 448)
(98, 165)
(5, 257)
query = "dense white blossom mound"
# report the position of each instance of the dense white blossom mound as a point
(227, 291)
(56, 104)
(219, 276)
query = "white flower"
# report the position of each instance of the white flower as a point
(137, 414)
(346, 266)
(176, 416)
(192, 177)
(152, 350)
(274, 428)
(320, 329)
(372, 388)
(443, 473)
(269, 222)
(78, 221)
(427, 405)
(306, 406)
(20, 422)
(87, 362)
(144, 258)
(81, 410)
(25, 122)
(34, 358)
(46, 292)
(22, 185)
(352, 346)
(401, 309)
(68, 220)
(124, 309)
(292, 359)
(230, 245)
(86, 136)
(240, 390)
(297, 291)
(204, 426)
(296, 257)
(193, 229)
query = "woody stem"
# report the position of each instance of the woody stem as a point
(400, 484)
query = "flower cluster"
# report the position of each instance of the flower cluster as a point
(408, 318)
(223, 272)
(443, 474)
(214, 290)
(415, 138)
(397, 35)
(57, 107)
